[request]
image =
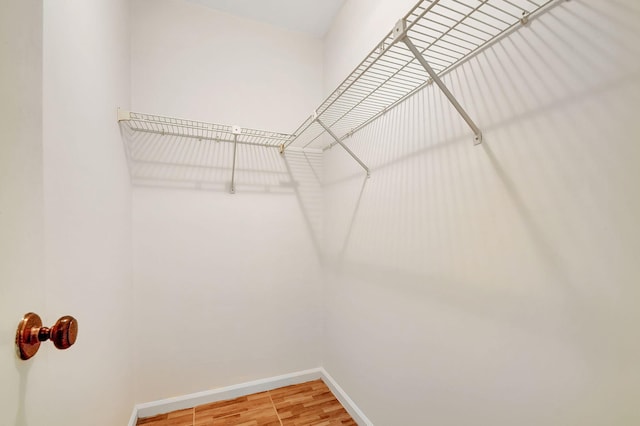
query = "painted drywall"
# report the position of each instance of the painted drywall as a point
(87, 202)
(494, 284)
(231, 283)
(65, 206)
(195, 62)
(227, 287)
(360, 24)
(23, 393)
(304, 16)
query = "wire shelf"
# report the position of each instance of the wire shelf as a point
(431, 39)
(169, 126)
(445, 32)
(185, 153)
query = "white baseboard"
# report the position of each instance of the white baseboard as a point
(134, 417)
(351, 407)
(154, 408)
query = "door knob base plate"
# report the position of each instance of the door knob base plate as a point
(27, 342)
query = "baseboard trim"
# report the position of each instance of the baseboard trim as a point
(229, 392)
(356, 413)
(162, 406)
(134, 417)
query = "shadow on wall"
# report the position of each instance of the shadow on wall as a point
(497, 284)
(187, 163)
(544, 209)
(305, 174)
(175, 162)
(23, 369)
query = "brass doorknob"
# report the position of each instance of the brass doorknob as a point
(30, 333)
(64, 332)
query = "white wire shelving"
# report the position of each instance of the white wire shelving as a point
(434, 37)
(431, 39)
(169, 126)
(186, 148)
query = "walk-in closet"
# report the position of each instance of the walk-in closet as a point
(319, 212)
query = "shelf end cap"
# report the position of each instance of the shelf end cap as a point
(123, 115)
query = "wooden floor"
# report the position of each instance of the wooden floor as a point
(306, 404)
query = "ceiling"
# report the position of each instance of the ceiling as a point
(313, 17)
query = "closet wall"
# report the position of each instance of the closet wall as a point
(23, 388)
(87, 205)
(494, 284)
(227, 287)
(65, 208)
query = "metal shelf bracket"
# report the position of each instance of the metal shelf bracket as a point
(400, 34)
(337, 139)
(236, 130)
(400, 30)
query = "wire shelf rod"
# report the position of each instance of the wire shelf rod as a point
(412, 22)
(475, 51)
(482, 12)
(169, 126)
(379, 88)
(183, 148)
(445, 32)
(421, 52)
(207, 138)
(452, 35)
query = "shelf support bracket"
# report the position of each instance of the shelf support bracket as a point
(236, 130)
(333, 135)
(400, 34)
(123, 115)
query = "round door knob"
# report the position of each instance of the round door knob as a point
(64, 332)
(30, 333)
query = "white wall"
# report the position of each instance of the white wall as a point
(65, 208)
(227, 290)
(227, 287)
(23, 393)
(360, 25)
(494, 284)
(87, 202)
(195, 62)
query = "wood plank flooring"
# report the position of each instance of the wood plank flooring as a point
(306, 404)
